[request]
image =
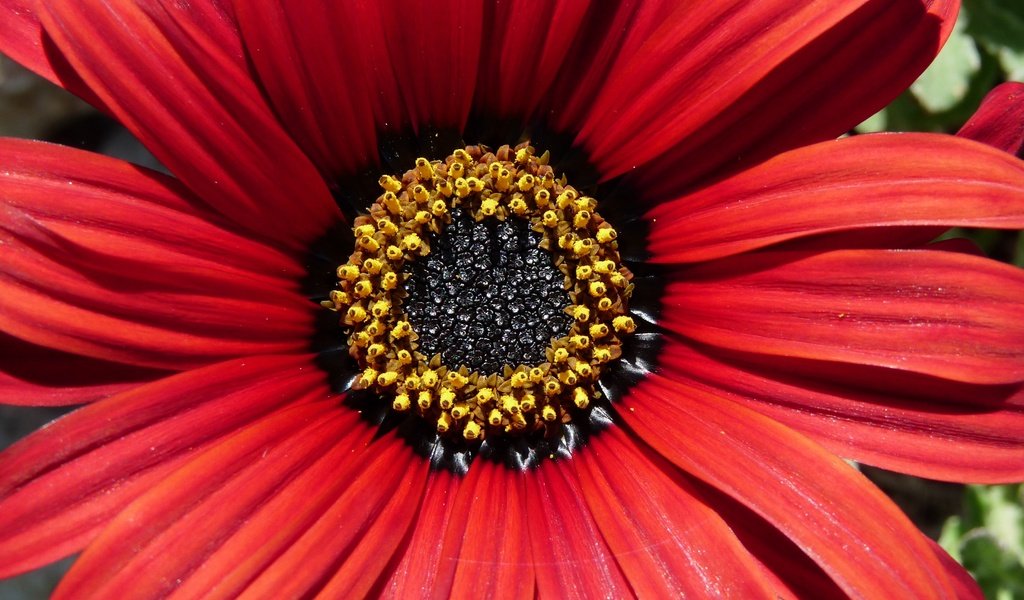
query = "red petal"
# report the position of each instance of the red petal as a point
(23, 39)
(111, 262)
(21, 36)
(527, 43)
(611, 32)
(60, 485)
(326, 87)
(423, 563)
(748, 79)
(373, 513)
(68, 190)
(423, 567)
(826, 507)
(962, 245)
(965, 586)
(31, 375)
(940, 313)
(367, 557)
(434, 49)
(793, 573)
(999, 121)
(973, 434)
(491, 545)
(864, 181)
(172, 82)
(668, 542)
(260, 534)
(571, 557)
(165, 534)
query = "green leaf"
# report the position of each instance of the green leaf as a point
(988, 540)
(1012, 62)
(947, 80)
(1006, 519)
(998, 572)
(998, 26)
(875, 123)
(953, 531)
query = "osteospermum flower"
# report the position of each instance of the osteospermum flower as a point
(471, 299)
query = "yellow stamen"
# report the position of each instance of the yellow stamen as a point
(489, 207)
(472, 431)
(424, 399)
(390, 184)
(368, 378)
(391, 203)
(606, 235)
(369, 244)
(580, 398)
(504, 184)
(423, 168)
(624, 323)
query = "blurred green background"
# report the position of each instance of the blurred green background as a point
(981, 526)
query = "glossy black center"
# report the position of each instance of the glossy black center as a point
(486, 295)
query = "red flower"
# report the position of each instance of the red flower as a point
(802, 313)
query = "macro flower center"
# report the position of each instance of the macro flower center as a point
(484, 294)
(487, 295)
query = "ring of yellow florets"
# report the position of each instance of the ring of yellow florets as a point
(523, 398)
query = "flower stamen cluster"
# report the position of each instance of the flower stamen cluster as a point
(508, 183)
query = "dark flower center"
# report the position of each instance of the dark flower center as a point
(487, 295)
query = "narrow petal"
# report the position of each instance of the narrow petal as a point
(159, 328)
(964, 585)
(327, 88)
(756, 78)
(520, 59)
(60, 485)
(571, 558)
(146, 549)
(667, 541)
(999, 121)
(23, 38)
(423, 567)
(829, 509)
(59, 187)
(612, 30)
(261, 533)
(945, 314)
(492, 549)
(186, 97)
(378, 503)
(106, 260)
(782, 561)
(400, 65)
(368, 557)
(885, 180)
(970, 433)
(435, 49)
(962, 245)
(31, 375)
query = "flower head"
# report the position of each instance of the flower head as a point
(457, 298)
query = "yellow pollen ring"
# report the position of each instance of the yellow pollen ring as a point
(522, 399)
